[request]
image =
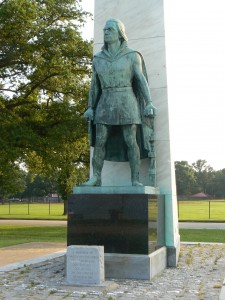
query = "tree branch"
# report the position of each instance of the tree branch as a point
(9, 90)
(39, 83)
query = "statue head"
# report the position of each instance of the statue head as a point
(120, 29)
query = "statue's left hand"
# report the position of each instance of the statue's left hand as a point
(149, 110)
(89, 114)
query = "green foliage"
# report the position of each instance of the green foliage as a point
(185, 178)
(12, 180)
(38, 187)
(204, 174)
(219, 183)
(199, 177)
(44, 71)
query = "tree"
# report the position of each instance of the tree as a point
(199, 177)
(44, 70)
(185, 178)
(205, 175)
(67, 165)
(12, 181)
(218, 184)
(37, 187)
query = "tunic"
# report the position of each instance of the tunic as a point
(116, 99)
(118, 104)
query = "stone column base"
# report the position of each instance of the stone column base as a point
(132, 266)
(173, 254)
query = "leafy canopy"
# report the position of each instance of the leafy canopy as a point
(44, 79)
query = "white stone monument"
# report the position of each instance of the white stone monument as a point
(85, 265)
(144, 22)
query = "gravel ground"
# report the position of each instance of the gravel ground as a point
(199, 275)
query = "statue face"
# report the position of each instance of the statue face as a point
(111, 33)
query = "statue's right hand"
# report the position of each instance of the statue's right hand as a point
(89, 114)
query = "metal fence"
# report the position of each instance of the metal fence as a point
(197, 210)
(190, 210)
(36, 207)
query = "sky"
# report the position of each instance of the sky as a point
(195, 55)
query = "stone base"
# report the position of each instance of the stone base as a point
(173, 254)
(150, 190)
(132, 266)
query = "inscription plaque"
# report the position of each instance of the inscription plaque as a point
(85, 265)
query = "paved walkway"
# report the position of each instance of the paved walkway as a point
(201, 225)
(189, 225)
(37, 271)
(33, 222)
(21, 252)
(199, 276)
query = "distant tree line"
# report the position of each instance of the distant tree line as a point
(38, 187)
(199, 177)
(190, 179)
(28, 186)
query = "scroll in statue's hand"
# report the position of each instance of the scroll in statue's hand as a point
(89, 114)
(149, 110)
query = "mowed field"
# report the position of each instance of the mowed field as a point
(198, 210)
(188, 210)
(201, 210)
(52, 211)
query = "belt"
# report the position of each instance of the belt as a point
(117, 89)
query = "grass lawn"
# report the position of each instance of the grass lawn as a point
(201, 210)
(13, 235)
(188, 210)
(202, 235)
(34, 211)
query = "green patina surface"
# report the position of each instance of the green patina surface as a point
(119, 105)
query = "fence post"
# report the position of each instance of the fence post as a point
(209, 210)
(28, 206)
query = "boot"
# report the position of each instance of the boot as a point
(136, 183)
(95, 180)
(135, 180)
(135, 167)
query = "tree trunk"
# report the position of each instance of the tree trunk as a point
(65, 211)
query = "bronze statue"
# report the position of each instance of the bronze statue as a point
(119, 104)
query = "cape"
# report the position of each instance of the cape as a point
(116, 149)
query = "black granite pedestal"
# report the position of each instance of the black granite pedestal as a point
(119, 222)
